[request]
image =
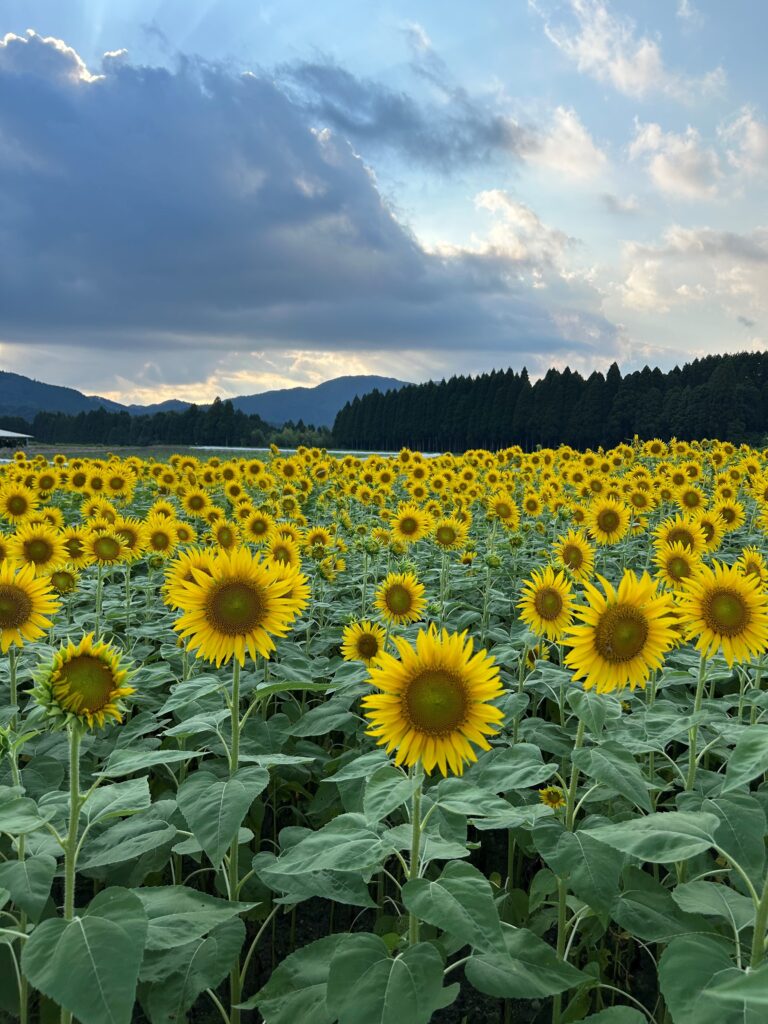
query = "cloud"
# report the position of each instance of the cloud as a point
(694, 265)
(566, 147)
(678, 164)
(179, 222)
(608, 48)
(746, 322)
(746, 139)
(620, 204)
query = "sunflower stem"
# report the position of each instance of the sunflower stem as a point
(758, 676)
(12, 656)
(127, 596)
(761, 921)
(99, 592)
(70, 847)
(694, 730)
(364, 594)
(235, 980)
(413, 869)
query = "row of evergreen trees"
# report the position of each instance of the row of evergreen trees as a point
(722, 397)
(218, 424)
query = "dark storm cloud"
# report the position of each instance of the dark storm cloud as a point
(142, 207)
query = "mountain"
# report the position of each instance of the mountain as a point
(317, 405)
(23, 397)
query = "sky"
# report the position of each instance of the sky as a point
(221, 197)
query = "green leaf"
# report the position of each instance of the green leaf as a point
(593, 709)
(339, 886)
(457, 795)
(744, 989)
(297, 987)
(617, 769)
(204, 964)
(616, 1015)
(126, 762)
(386, 790)
(741, 830)
(360, 768)
(748, 759)
(29, 882)
(347, 843)
(715, 901)
(593, 868)
(127, 840)
(118, 798)
(508, 768)
(324, 718)
(689, 969)
(18, 814)
(646, 909)
(177, 914)
(368, 986)
(214, 808)
(460, 902)
(527, 969)
(90, 965)
(661, 838)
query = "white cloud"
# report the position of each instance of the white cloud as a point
(620, 204)
(608, 48)
(568, 148)
(695, 265)
(678, 164)
(746, 139)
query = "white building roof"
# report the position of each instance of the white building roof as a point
(12, 433)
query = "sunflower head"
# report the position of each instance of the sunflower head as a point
(84, 683)
(362, 641)
(552, 796)
(400, 598)
(26, 604)
(434, 701)
(546, 605)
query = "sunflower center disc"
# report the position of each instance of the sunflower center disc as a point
(74, 547)
(398, 599)
(621, 633)
(572, 556)
(367, 646)
(90, 679)
(436, 701)
(503, 511)
(679, 568)
(728, 613)
(63, 581)
(408, 526)
(446, 535)
(608, 521)
(15, 607)
(38, 551)
(236, 608)
(196, 502)
(106, 548)
(17, 505)
(548, 603)
(681, 536)
(160, 541)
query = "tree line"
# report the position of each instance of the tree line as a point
(218, 424)
(722, 396)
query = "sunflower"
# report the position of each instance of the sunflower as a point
(284, 550)
(195, 502)
(84, 682)
(237, 608)
(64, 580)
(501, 506)
(712, 526)
(39, 546)
(546, 605)
(574, 553)
(682, 530)
(450, 533)
(161, 536)
(133, 533)
(731, 512)
(410, 523)
(433, 703)
(751, 562)
(180, 569)
(552, 796)
(318, 536)
(623, 634)
(74, 538)
(362, 641)
(400, 598)
(674, 563)
(17, 502)
(720, 609)
(608, 520)
(25, 604)
(225, 535)
(104, 547)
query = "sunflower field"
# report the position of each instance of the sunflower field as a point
(385, 739)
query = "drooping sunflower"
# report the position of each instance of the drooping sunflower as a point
(26, 603)
(238, 608)
(362, 641)
(434, 701)
(720, 609)
(450, 533)
(40, 546)
(400, 598)
(547, 603)
(623, 633)
(608, 520)
(85, 682)
(675, 563)
(17, 502)
(574, 553)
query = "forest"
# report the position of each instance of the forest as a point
(724, 396)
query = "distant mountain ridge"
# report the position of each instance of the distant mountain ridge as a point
(24, 397)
